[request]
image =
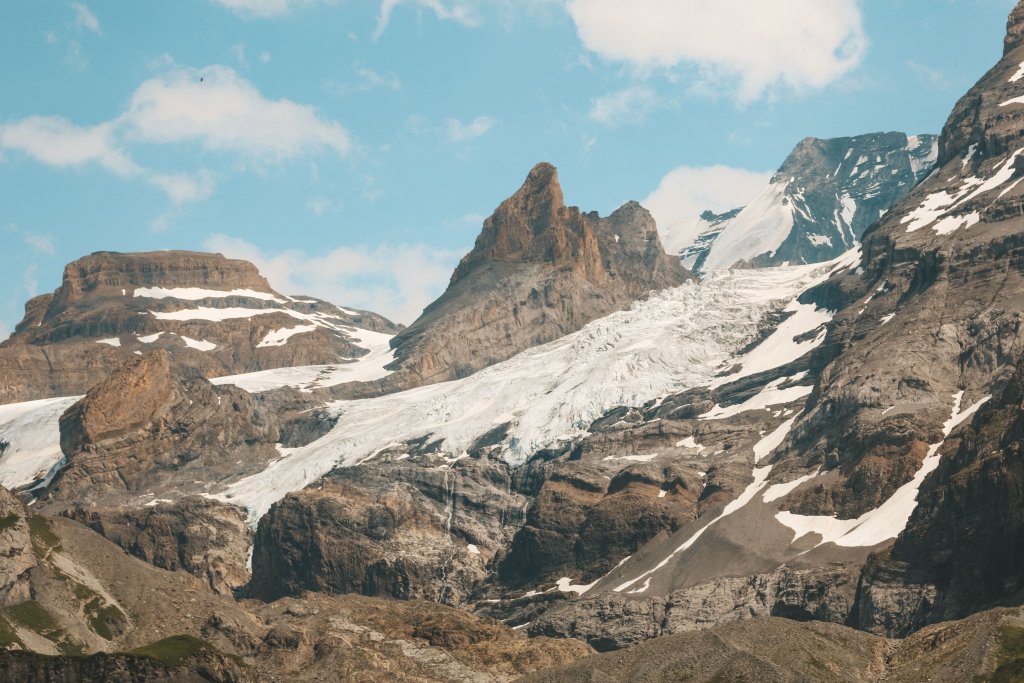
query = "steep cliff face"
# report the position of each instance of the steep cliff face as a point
(539, 270)
(963, 550)
(934, 310)
(145, 432)
(15, 550)
(200, 536)
(216, 316)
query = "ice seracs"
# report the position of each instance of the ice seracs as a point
(676, 340)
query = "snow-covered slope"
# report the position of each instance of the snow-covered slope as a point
(676, 340)
(308, 377)
(819, 203)
(759, 228)
(30, 440)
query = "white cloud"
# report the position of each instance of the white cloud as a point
(85, 19)
(459, 11)
(75, 57)
(58, 142)
(318, 206)
(752, 46)
(265, 57)
(184, 188)
(238, 51)
(30, 281)
(366, 79)
(265, 9)
(458, 131)
(5, 331)
(41, 243)
(627, 106)
(395, 281)
(387, 81)
(222, 111)
(686, 192)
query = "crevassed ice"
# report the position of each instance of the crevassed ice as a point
(676, 340)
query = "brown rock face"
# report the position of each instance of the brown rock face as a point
(935, 308)
(144, 431)
(1014, 29)
(16, 556)
(130, 399)
(106, 311)
(200, 536)
(399, 529)
(963, 550)
(539, 270)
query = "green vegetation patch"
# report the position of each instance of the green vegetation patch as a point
(103, 617)
(33, 616)
(174, 650)
(70, 648)
(1010, 667)
(43, 538)
(7, 521)
(9, 635)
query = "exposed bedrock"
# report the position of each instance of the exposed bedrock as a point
(145, 432)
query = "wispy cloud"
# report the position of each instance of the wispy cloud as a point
(457, 131)
(318, 206)
(459, 11)
(928, 75)
(41, 243)
(628, 106)
(185, 188)
(264, 9)
(366, 79)
(85, 19)
(55, 141)
(238, 52)
(397, 281)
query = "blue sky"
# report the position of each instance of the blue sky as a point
(351, 148)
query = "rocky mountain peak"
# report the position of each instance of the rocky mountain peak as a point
(988, 121)
(533, 226)
(108, 273)
(541, 193)
(539, 269)
(1014, 29)
(819, 203)
(214, 315)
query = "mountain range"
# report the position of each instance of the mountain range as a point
(788, 448)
